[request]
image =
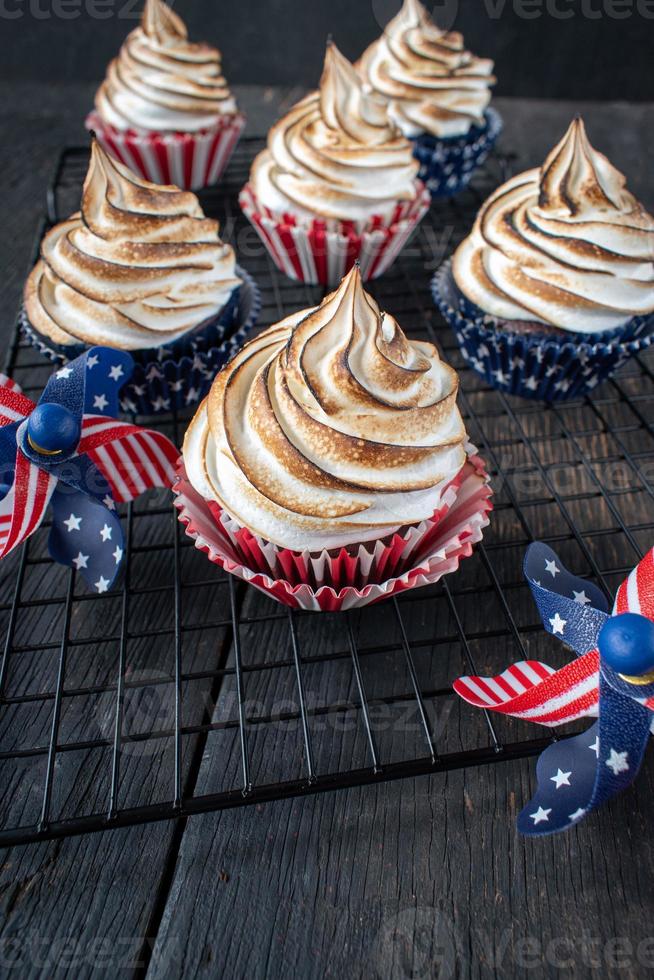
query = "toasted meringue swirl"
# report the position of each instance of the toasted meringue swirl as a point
(161, 81)
(329, 428)
(336, 154)
(137, 268)
(565, 245)
(432, 84)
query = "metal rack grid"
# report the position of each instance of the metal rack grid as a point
(184, 691)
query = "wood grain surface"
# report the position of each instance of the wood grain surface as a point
(422, 877)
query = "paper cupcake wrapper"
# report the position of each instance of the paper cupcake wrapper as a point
(327, 582)
(321, 251)
(175, 377)
(545, 368)
(189, 160)
(446, 165)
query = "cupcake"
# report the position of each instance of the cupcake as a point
(329, 464)
(164, 108)
(337, 183)
(140, 268)
(437, 93)
(554, 287)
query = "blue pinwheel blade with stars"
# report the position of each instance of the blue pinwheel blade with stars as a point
(577, 775)
(91, 383)
(69, 452)
(86, 536)
(613, 677)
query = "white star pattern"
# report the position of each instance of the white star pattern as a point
(531, 383)
(540, 816)
(116, 372)
(552, 567)
(153, 373)
(198, 363)
(517, 362)
(176, 385)
(557, 624)
(102, 585)
(580, 597)
(109, 502)
(105, 533)
(73, 523)
(192, 395)
(64, 373)
(500, 377)
(92, 361)
(82, 561)
(482, 351)
(563, 385)
(160, 404)
(100, 402)
(561, 779)
(577, 815)
(552, 369)
(595, 746)
(118, 555)
(617, 762)
(138, 390)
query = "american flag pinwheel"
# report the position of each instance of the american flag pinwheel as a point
(69, 453)
(611, 679)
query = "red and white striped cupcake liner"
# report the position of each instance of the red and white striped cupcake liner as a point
(188, 160)
(322, 251)
(327, 582)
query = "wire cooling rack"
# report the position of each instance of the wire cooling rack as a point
(184, 691)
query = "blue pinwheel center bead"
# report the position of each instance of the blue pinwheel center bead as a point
(53, 429)
(626, 643)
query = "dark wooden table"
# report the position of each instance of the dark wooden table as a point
(417, 878)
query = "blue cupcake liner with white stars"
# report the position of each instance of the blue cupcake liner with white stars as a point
(179, 375)
(541, 367)
(447, 164)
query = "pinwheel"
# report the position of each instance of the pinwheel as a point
(613, 679)
(67, 452)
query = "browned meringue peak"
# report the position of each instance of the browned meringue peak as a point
(336, 154)
(576, 179)
(565, 245)
(344, 106)
(137, 268)
(432, 83)
(162, 23)
(328, 428)
(163, 82)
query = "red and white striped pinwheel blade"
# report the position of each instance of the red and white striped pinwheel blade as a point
(636, 594)
(24, 506)
(14, 405)
(131, 459)
(535, 692)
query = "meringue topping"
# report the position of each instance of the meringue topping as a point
(336, 154)
(565, 245)
(432, 84)
(161, 81)
(329, 428)
(138, 267)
